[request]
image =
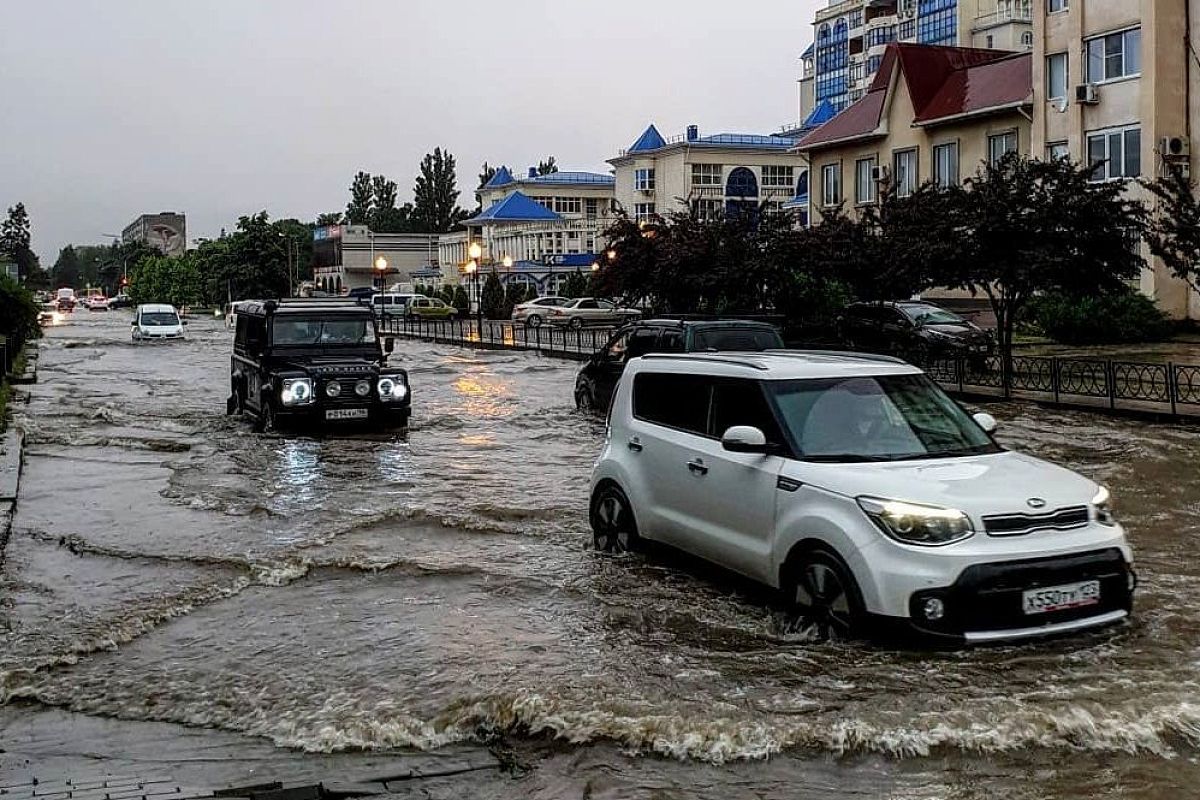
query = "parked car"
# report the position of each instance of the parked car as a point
(362, 293)
(156, 322)
(590, 311)
(595, 383)
(96, 302)
(912, 329)
(391, 304)
(533, 312)
(421, 307)
(311, 362)
(857, 487)
(119, 302)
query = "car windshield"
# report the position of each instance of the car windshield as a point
(323, 331)
(881, 418)
(932, 315)
(159, 318)
(743, 339)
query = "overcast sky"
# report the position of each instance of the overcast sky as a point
(218, 108)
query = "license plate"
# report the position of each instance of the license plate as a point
(346, 413)
(1059, 598)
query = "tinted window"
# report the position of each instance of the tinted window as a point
(587, 304)
(745, 339)
(642, 341)
(671, 341)
(741, 402)
(675, 400)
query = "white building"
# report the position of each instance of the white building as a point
(721, 173)
(346, 257)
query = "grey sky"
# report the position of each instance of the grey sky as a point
(218, 108)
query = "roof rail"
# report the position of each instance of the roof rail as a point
(877, 357)
(711, 358)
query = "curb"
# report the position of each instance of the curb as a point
(11, 448)
(30, 373)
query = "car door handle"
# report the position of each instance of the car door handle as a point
(635, 445)
(697, 467)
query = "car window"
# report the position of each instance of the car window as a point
(159, 318)
(737, 401)
(587, 304)
(673, 399)
(671, 341)
(322, 331)
(932, 315)
(605, 304)
(643, 341)
(742, 339)
(617, 347)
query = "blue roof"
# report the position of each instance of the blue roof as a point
(819, 115)
(598, 178)
(650, 139)
(502, 178)
(515, 208)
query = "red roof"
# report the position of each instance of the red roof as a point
(942, 82)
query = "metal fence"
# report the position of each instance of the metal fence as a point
(578, 343)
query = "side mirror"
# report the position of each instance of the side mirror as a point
(183, 322)
(744, 439)
(986, 421)
(133, 323)
(389, 344)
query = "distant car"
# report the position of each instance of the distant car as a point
(119, 302)
(48, 313)
(912, 329)
(362, 293)
(533, 312)
(590, 311)
(97, 303)
(391, 304)
(156, 322)
(595, 383)
(421, 307)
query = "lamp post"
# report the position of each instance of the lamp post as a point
(381, 266)
(475, 253)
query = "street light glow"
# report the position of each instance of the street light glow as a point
(595, 266)
(508, 262)
(612, 255)
(381, 264)
(475, 251)
(471, 266)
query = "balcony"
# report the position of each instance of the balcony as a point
(1020, 13)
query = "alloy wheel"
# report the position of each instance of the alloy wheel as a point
(822, 601)
(613, 527)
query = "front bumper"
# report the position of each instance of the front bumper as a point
(384, 415)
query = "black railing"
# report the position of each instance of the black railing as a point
(577, 343)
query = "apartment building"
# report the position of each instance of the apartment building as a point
(1118, 85)
(165, 231)
(851, 36)
(720, 173)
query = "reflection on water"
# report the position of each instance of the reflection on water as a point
(435, 586)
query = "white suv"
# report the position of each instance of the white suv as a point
(855, 485)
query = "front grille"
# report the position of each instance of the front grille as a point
(1019, 524)
(347, 397)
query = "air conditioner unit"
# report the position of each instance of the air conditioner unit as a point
(1087, 93)
(879, 174)
(1175, 148)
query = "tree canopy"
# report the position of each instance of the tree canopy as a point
(435, 194)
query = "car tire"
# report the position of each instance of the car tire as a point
(265, 422)
(575, 323)
(614, 528)
(534, 321)
(822, 596)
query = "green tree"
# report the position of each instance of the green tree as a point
(435, 194)
(546, 167)
(14, 245)
(251, 262)
(1174, 227)
(67, 270)
(461, 301)
(576, 285)
(332, 218)
(492, 298)
(514, 293)
(362, 200)
(167, 279)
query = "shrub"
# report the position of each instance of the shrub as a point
(514, 294)
(18, 311)
(493, 297)
(461, 301)
(1118, 318)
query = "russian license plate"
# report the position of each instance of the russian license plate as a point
(1060, 598)
(346, 413)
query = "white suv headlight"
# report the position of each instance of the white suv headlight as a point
(913, 523)
(296, 392)
(1102, 506)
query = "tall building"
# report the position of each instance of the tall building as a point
(1117, 84)
(850, 37)
(346, 257)
(165, 231)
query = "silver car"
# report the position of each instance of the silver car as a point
(534, 312)
(591, 311)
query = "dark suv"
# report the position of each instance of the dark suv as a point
(314, 361)
(596, 382)
(912, 329)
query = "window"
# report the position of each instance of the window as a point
(1115, 153)
(904, 172)
(856, 19)
(708, 208)
(591, 207)
(643, 211)
(737, 401)
(642, 341)
(568, 205)
(643, 180)
(1000, 145)
(777, 176)
(990, 42)
(873, 63)
(706, 174)
(1115, 56)
(1056, 76)
(674, 400)
(881, 35)
(864, 181)
(831, 184)
(1057, 150)
(907, 30)
(945, 164)
(1027, 39)
(937, 21)
(1055, 5)
(545, 202)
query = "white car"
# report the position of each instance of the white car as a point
(857, 487)
(96, 303)
(153, 322)
(533, 312)
(591, 311)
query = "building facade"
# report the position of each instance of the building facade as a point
(345, 256)
(850, 37)
(165, 231)
(721, 173)
(1117, 86)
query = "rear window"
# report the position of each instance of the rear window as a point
(673, 399)
(744, 339)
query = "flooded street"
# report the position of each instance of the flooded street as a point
(437, 586)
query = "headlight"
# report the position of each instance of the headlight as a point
(912, 523)
(362, 388)
(391, 387)
(1102, 503)
(296, 392)
(333, 388)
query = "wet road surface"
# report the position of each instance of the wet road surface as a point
(435, 588)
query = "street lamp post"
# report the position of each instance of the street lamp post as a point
(475, 254)
(381, 265)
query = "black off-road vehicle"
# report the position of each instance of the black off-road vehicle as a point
(308, 362)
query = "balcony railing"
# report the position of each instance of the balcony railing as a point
(1003, 16)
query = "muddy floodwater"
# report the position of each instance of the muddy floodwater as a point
(436, 587)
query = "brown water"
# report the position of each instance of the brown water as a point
(436, 586)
